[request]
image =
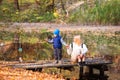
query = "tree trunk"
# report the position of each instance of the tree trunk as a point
(50, 6)
(1, 1)
(53, 3)
(63, 7)
(16, 2)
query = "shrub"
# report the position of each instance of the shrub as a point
(106, 12)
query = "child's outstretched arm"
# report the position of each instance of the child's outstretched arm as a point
(69, 49)
(63, 42)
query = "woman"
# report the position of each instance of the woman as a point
(77, 50)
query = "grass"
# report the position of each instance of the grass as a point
(34, 44)
(101, 13)
(28, 1)
(28, 13)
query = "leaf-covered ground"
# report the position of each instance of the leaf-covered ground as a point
(7, 73)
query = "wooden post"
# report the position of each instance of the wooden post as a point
(90, 70)
(16, 40)
(81, 73)
(81, 69)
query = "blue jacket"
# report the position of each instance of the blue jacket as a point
(57, 42)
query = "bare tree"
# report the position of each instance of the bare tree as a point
(63, 7)
(16, 2)
(37, 2)
(48, 5)
(1, 1)
(51, 6)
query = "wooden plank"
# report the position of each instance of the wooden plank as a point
(96, 61)
(66, 63)
(49, 63)
(43, 64)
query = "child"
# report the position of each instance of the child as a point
(57, 45)
(77, 50)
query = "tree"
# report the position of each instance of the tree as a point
(51, 6)
(37, 2)
(47, 5)
(1, 1)
(16, 2)
(63, 7)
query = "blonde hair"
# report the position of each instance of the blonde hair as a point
(77, 40)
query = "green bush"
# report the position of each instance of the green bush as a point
(106, 12)
(32, 15)
(8, 13)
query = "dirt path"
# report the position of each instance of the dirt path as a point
(28, 27)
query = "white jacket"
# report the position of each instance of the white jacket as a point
(74, 50)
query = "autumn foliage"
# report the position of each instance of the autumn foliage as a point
(7, 73)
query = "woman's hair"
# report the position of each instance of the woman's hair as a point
(77, 40)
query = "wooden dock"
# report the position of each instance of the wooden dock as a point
(92, 63)
(99, 64)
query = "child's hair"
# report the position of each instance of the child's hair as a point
(77, 40)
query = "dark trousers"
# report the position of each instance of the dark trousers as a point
(57, 54)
